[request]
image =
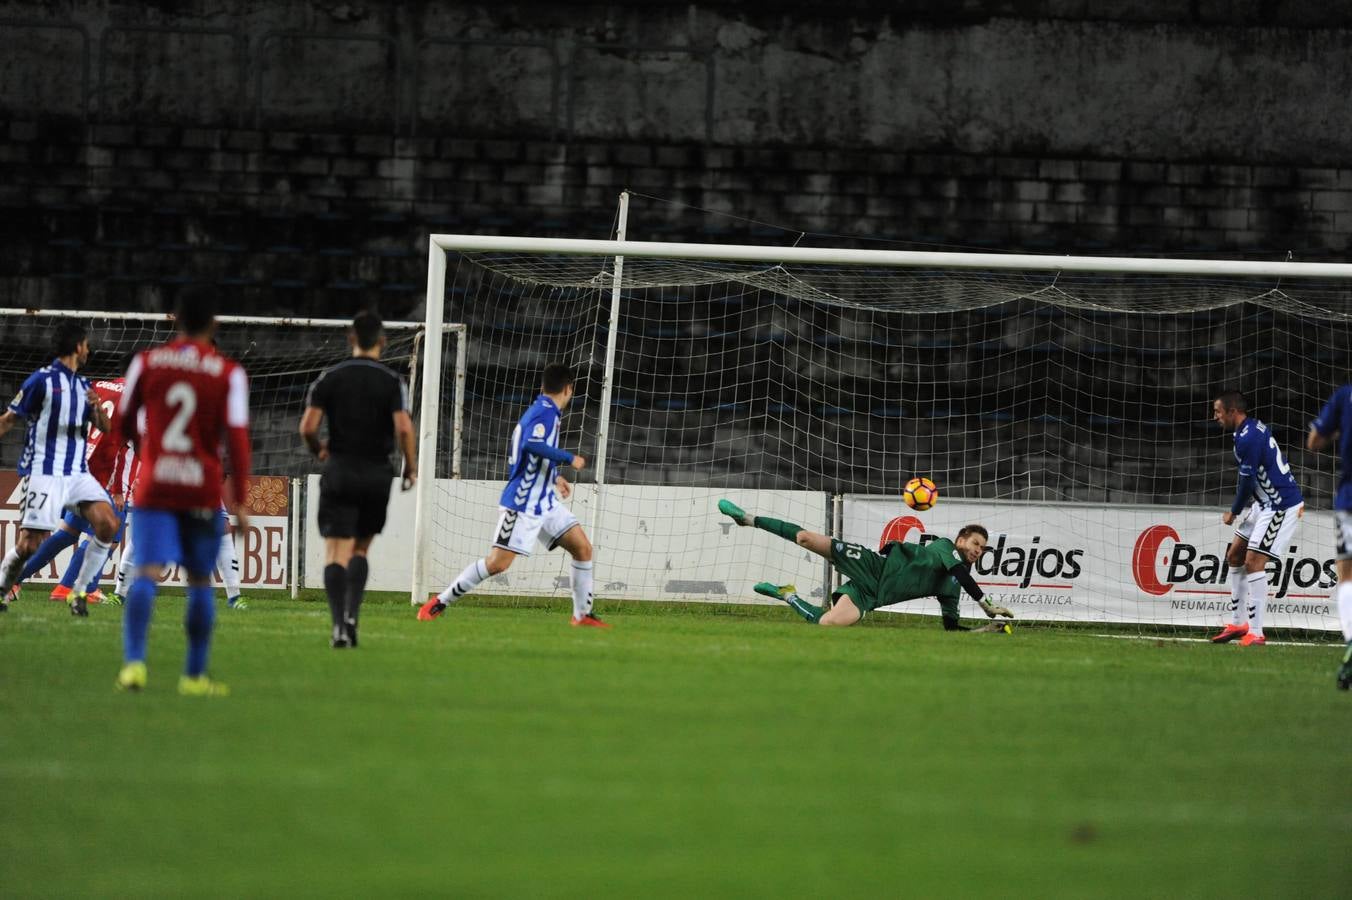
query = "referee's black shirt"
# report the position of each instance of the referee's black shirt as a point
(359, 398)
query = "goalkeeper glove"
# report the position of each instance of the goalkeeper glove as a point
(992, 611)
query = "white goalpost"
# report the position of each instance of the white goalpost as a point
(1064, 402)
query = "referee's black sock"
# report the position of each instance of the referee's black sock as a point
(357, 570)
(335, 585)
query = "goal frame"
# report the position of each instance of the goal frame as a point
(439, 245)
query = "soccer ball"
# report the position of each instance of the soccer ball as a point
(920, 494)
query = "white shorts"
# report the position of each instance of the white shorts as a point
(518, 531)
(43, 498)
(1269, 531)
(1342, 523)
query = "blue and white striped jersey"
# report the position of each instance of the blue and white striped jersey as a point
(533, 458)
(53, 400)
(1257, 454)
(1336, 419)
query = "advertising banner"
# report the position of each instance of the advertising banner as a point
(652, 542)
(263, 552)
(1094, 563)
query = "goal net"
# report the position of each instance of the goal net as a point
(283, 357)
(1063, 404)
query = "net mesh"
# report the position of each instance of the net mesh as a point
(1047, 406)
(282, 359)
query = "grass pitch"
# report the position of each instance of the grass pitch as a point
(712, 752)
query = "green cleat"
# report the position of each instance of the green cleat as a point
(79, 604)
(238, 603)
(132, 677)
(201, 686)
(777, 591)
(113, 599)
(734, 512)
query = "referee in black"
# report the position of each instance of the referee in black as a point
(366, 404)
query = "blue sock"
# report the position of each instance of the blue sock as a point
(58, 540)
(198, 621)
(73, 567)
(140, 602)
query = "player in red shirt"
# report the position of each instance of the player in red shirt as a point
(194, 399)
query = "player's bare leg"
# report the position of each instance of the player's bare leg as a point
(842, 613)
(498, 560)
(575, 541)
(1235, 555)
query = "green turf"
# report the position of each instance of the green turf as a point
(688, 752)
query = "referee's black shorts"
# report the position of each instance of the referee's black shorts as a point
(353, 496)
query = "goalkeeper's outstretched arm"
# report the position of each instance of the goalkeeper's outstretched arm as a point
(963, 575)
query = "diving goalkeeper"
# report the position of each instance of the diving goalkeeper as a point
(901, 572)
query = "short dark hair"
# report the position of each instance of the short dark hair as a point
(367, 328)
(195, 310)
(973, 529)
(67, 336)
(1233, 400)
(556, 377)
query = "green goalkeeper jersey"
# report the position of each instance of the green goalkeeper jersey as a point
(902, 572)
(913, 570)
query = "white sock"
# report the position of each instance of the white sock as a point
(1238, 592)
(9, 570)
(582, 588)
(465, 582)
(96, 554)
(227, 563)
(1257, 585)
(1344, 595)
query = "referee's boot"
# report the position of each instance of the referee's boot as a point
(339, 641)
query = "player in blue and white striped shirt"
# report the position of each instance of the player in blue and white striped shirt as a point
(531, 507)
(59, 406)
(1334, 423)
(1268, 504)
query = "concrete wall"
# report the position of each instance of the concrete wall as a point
(300, 151)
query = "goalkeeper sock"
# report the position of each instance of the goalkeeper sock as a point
(46, 552)
(787, 530)
(335, 586)
(812, 613)
(465, 582)
(1344, 595)
(96, 554)
(201, 615)
(357, 570)
(1257, 587)
(1238, 591)
(582, 588)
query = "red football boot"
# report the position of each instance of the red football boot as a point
(590, 620)
(1230, 633)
